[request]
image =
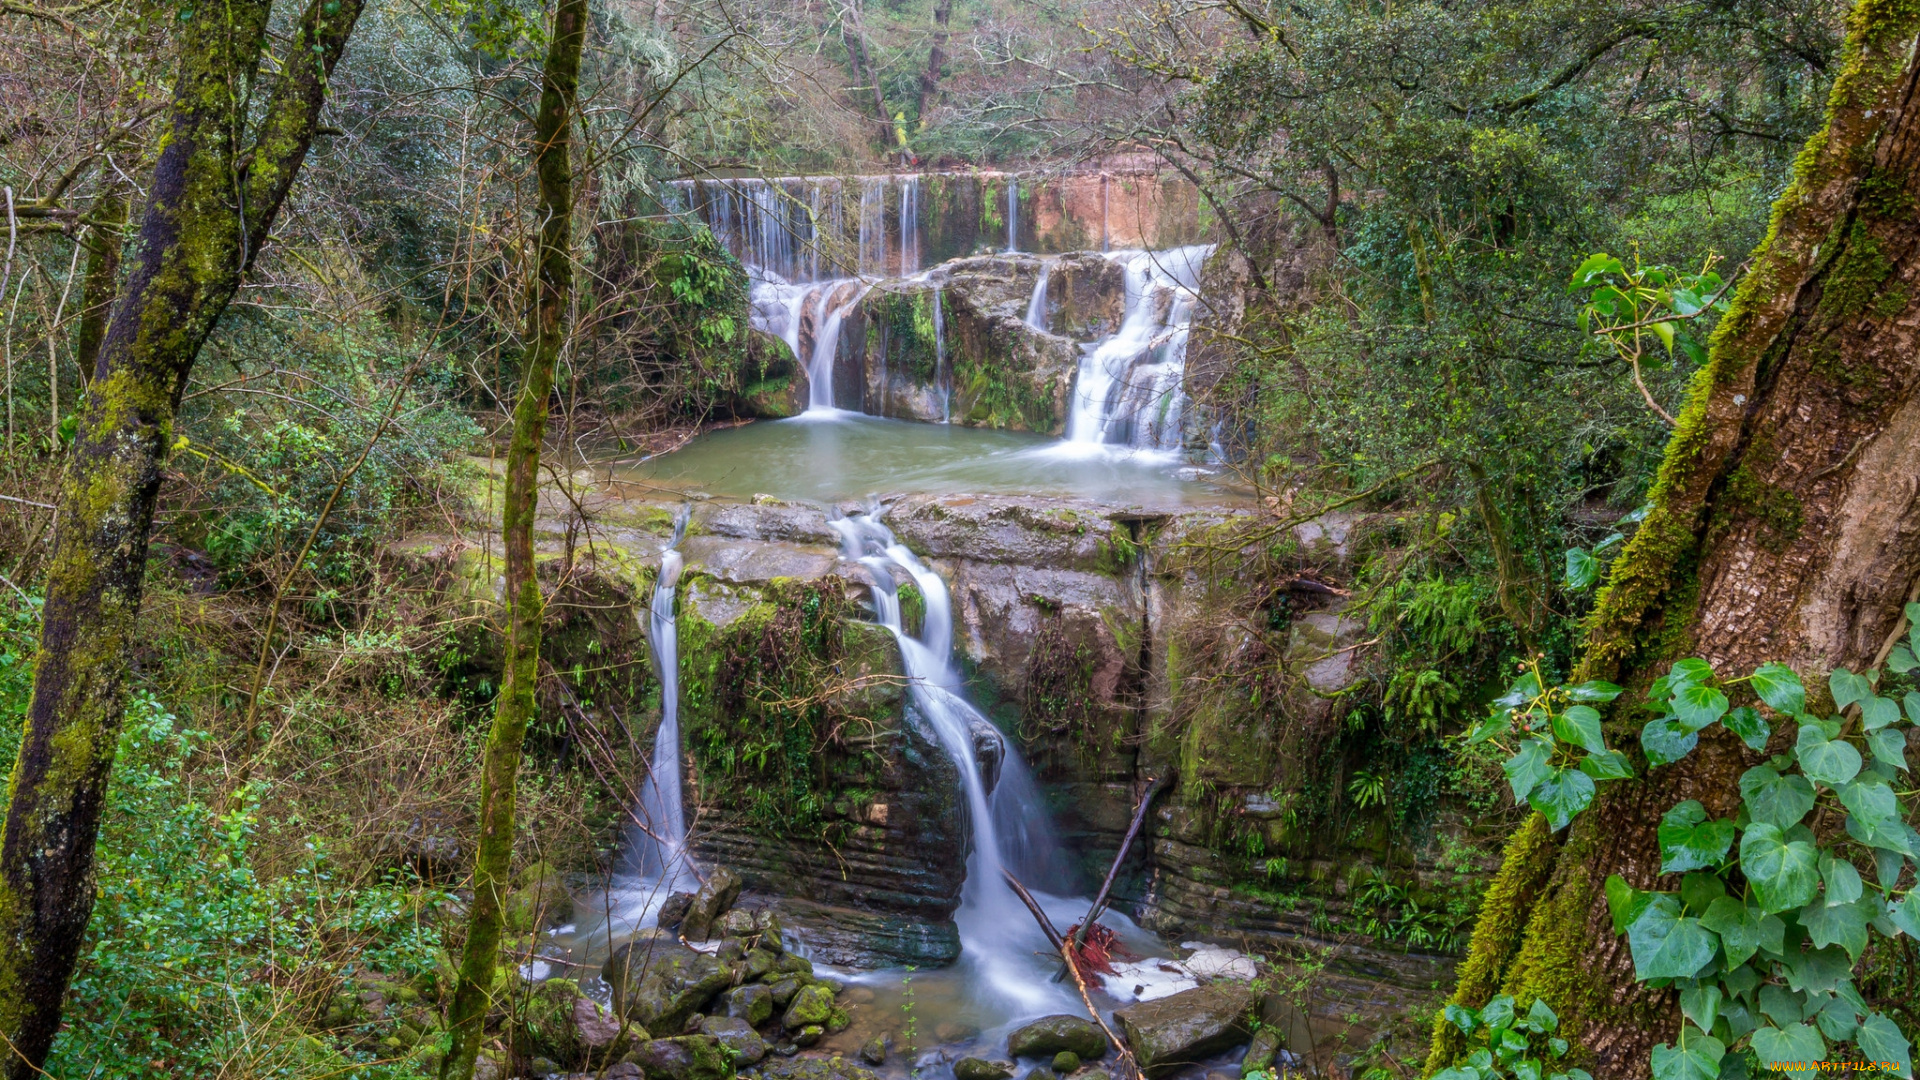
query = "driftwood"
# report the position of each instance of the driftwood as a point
(1130, 1068)
(1126, 844)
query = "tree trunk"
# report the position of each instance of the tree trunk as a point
(196, 240)
(104, 238)
(1783, 527)
(854, 34)
(936, 59)
(553, 290)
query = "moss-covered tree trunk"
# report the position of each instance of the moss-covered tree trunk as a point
(553, 292)
(104, 237)
(211, 205)
(1785, 525)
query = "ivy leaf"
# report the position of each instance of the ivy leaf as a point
(1594, 690)
(1890, 746)
(1906, 915)
(1816, 970)
(1460, 1072)
(1698, 706)
(1775, 799)
(1690, 672)
(1580, 726)
(1844, 925)
(1499, 723)
(1527, 768)
(1606, 765)
(1900, 660)
(1887, 867)
(1752, 728)
(1666, 741)
(1696, 1058)
(1779, 686)
(1842, 880)
(1699, 891)
(1524, 689)
(1463, 1018)
(1667, 944)
(1582, 569)
(1744, 931)
(1498, 1013)
(1873, 803)
(1565, 793)
(1912, 703)
(1625, 902)
(1784, 873)
(1542, 1017)
(1829, 761)
(1880, 1039)
(1701, 1005)
(1688, 841)
(1847, 688)
(1795, 1042)
(1878, 712)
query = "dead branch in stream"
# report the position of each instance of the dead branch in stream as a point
(1126, 844)
(1130, 1069)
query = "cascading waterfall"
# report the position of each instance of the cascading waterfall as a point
(909, 226)
(941, 376)
(1037, 305)
(998, 939)
(1013, 214)
(1128, 391)
(658, 850)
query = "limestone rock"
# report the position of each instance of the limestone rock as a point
(684, 1057)
(754, 1004)
(659, 984)
(1051, 1035)
(560, 1023)
(813, 1068)
(674, 909)
(738, 1036)
(1177, 1031)
(874, 1050)
(1065, 1062)
(544, 901)
(1265, 1047)
(811, 1005)
(973, 1068)
(721, 889)
(808, 1035)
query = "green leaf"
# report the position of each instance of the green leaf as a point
(1781, 1005)
(1594, 690)
(1844, 925)
(1779, 686)
(1701, 1005)
(1498, 1013)
(1543, 1018)
(1847, 688)
(1889, 745)
(1582, 568)
(1906, 915)
(1689, 672)
(1524, 689)
(1460, 1072)
(1580, 726)
(1698, 706)
(1743, 930)
(1784, 873)
(1596, 267)
(1528, 767)
(1689, 841)
(1562, 795)
(1842, 880)
(1625, 902)
(1900, 660)
(1699, 891)
(1499, 723)
(1607, 765)
(1912, 703)
(1696, 1058)
(1873, 804)
(1828, 761)
(1881, 1040)
(1463, 1018)
(1795, 1042)
(1816, 970)
(1752, 728)
(1664, 331)
(1667, 944)
(1878, 712)
(1666, 741)
(1775, 799)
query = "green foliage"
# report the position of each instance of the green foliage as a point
(1627, 307)
(1774, 910)
(1506, 1043)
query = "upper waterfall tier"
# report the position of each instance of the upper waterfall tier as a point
(817, 228)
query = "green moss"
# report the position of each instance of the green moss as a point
(1853, 282)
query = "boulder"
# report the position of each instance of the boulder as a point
(973, 1068)
(659, 984)
(1261, 1051)
(758, 963)
(674, 910)
(754, 1004)
(811, 1005)
(814, 1068)
(783, 990)
(989, 750)
(560, 1023)
(721, 889)
(1177, 1031)
(874, 1050)
(1066, 1062)
(737, 1036)
(808, 1035)
(1050, 1035)
(543, 901)
(684, 1057)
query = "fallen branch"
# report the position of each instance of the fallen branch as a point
(1131, 1067)
(1126, 843)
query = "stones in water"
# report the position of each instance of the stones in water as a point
(973, 1068)
(1066, 1062)
(674, 910)
(810, 1005)
(1051, 1035)
(716, 895)
(874, 1051)
(660, 984)
(562, 1024)
(684, 1057)
(1266, 1045)
(1189, 1027)
(738, 1036)
(815, 1068)
(752, 1003)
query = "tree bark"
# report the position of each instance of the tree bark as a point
(553, 291)
(211, 205)
(104, 238)
(1783, 527)
(936, 59)
(854, 34)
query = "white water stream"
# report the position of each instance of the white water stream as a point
(1128, 392)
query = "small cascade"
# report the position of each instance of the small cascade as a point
(1037, 306)
(658, 850)
(826, 343)
(909, 226)
(1128, 390)
(941, 376)
(873, 226)
(998, 938)
(1013, 214)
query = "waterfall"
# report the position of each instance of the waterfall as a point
(1128, 389)
(1037, 306)
(826, 344)
(1013, 213)
(659, 849)
(909, 226)
(998, 938)
(941, 376)
(873, 226)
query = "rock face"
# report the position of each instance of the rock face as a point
(716, 895)
(658, 983)
(1173, 1032)
(1051, 1035)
